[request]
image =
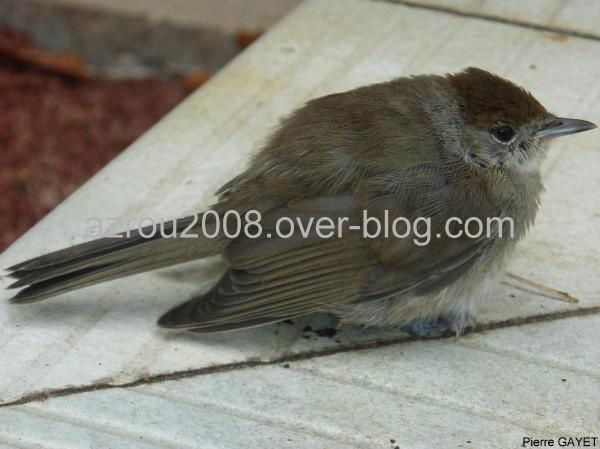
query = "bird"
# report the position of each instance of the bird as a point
(426, 153)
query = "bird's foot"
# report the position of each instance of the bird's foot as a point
(439, 326)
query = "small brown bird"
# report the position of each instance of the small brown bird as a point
(433, 151)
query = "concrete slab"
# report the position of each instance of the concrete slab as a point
(227, 15)
(143, 38)
(569, 16)
(422, 394)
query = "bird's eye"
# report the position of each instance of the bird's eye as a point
(502, 134)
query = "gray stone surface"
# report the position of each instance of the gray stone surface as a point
(125, 39)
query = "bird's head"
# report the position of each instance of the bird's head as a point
(504, 125)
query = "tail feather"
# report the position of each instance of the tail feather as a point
(100, 246)
(105, 259)
(138, 251)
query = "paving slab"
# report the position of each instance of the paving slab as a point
(420, 394)
(558, 16)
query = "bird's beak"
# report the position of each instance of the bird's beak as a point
(563, 126)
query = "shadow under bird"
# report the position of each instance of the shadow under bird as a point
(467, 144)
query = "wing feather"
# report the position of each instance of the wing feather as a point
(271, 279)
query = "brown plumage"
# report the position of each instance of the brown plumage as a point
(426, 146)
(489, 100)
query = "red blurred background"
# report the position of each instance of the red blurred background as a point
(59, 125)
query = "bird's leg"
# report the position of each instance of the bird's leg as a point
(439, 326)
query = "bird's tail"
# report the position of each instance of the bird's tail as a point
(109, 258)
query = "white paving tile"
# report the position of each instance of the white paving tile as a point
(422, 394)
(579, 16)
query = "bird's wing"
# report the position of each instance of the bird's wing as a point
(274, 278)
(437, 250)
